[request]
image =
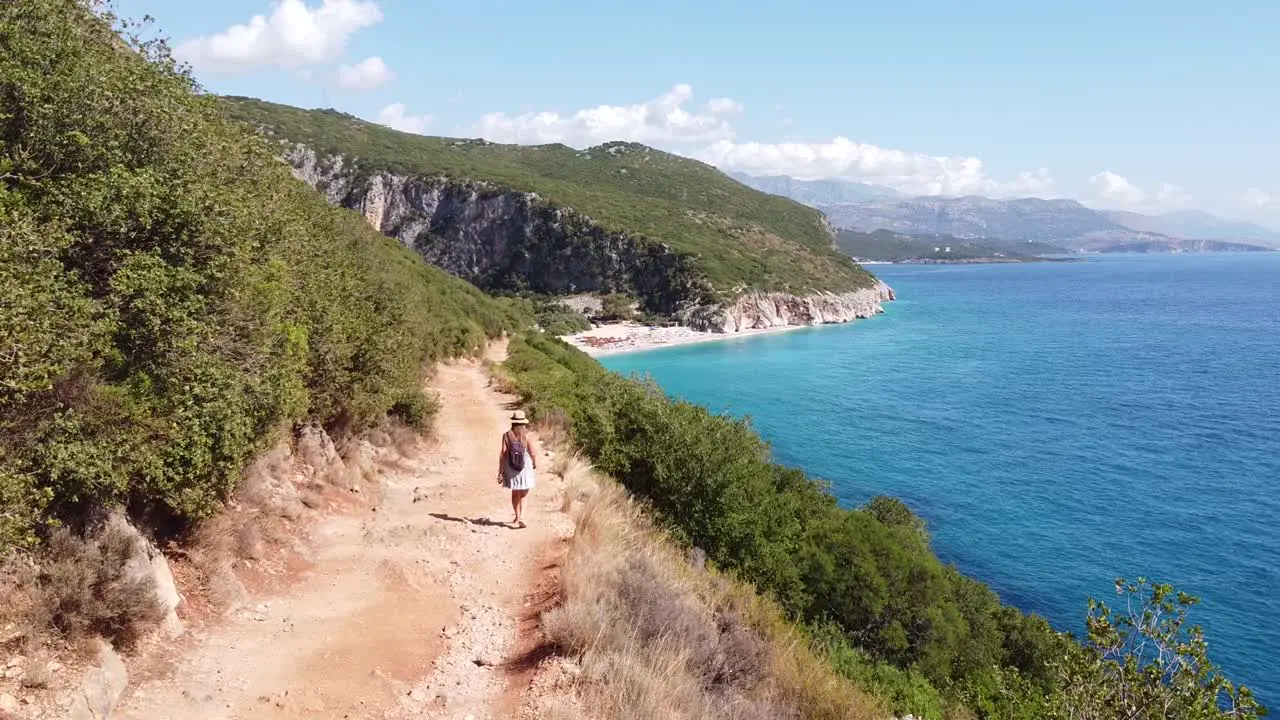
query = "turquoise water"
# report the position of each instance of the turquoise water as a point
(1058, 425)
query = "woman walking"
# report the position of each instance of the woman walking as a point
(516, 464)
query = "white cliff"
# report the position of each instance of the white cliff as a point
(760, 310)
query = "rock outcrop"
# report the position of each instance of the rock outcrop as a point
(102, 686)
(501, 239)
(759, 310)
(149, 566)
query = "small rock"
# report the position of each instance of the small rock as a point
(198, 694)
(417, 695)
(15, 661)
(444, 700)
(13, 672)
(102, 686)
(8, 703)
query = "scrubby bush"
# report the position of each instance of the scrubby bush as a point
(617, 306)
(169, 294)
(83, 589)
(557, 319)
(657, 639)
(415, 409)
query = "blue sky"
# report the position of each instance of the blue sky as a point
(1132, 104)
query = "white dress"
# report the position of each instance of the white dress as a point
(518, 480)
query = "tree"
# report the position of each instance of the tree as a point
(892, 511)
(1146, 663)
(617, 306)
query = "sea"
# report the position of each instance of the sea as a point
(1058, 425)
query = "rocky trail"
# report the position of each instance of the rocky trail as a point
(421, 603)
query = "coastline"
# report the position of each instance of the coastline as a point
(624, 338)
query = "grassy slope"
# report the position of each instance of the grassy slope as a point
(740, 236)
(657, 638)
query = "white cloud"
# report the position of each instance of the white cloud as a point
(723, 106)
(1172, 197)
(662, 120)
(709, 135)
(396, 116)
(292, 36)
(909, 172)
(367, 74)
(1255, 199)
(1115, 191)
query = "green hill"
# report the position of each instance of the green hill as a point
(170, 298)
(738, 237)
(889, 246)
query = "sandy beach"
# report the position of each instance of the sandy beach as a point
(618, 338)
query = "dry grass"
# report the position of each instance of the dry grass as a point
(79, 588)
(554, 429)
(580, 480)
(656, 638)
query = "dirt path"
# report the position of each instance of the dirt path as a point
(411, 607)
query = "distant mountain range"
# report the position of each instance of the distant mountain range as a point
(1197, 224)
(1063, 223)
(819, 192)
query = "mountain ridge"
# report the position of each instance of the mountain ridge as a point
(736, 237)
(1197, 224)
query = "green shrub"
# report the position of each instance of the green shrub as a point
(616, 306)
(415, 409)
(907, 691)
(556, 319)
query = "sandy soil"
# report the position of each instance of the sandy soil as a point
(618, 338)
(413, 606)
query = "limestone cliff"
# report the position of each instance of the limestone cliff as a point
(501, 239)
(758, 310)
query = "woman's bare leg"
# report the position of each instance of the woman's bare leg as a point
(517, 497)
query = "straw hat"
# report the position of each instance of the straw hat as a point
(518, 418)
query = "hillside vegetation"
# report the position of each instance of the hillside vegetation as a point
(656, 636)
(740, 237)
(170, 296)
(879, 604)
(888, 246)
